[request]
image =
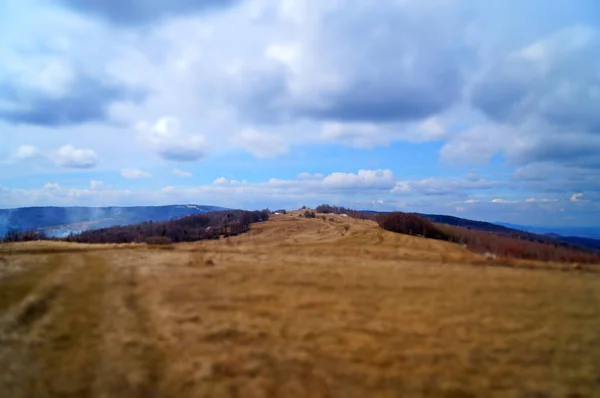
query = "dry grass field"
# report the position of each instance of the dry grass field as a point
(295, 308)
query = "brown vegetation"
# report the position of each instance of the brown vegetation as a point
(186, 229)
(295, 308)
(524, 246)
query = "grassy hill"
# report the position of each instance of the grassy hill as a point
(296, 307)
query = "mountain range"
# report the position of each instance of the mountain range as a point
(58, 222)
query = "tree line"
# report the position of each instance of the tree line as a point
(187, 229)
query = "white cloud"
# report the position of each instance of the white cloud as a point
(500, 200)
(69, 156)
(66, 156)
(577, 197)
(132, 174)
(540, 200)
(181, 173)
(52, 186)
(309, 176)
(167, 140)
(260, 144)
(360, 135)
(25, 152)
(432, 128)
(221, 181)
(478, 144)
(379, 179)
(441, 186)
(96, 185)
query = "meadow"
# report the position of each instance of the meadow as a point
(296, 307)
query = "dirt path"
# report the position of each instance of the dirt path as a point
(79, 331)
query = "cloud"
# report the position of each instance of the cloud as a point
(478, 144)
(554, 79)
(541, 200)
(360, 135)
(168, 141)
(351, 62)
(577, 197)
(543, 95)
(260, 144)
(27, 152)
(132, 174)
(138, 12)
(69, 156)
(504, 201)
(96, 185)
(309, 176)
(52, 186)
(84, 100)
(181, 173)
(66, 156)
(440, 187)
(222, 181)
(377, 179)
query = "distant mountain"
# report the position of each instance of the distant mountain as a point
(530, 233)
(584, 232)
(471, 224)
(62, 221)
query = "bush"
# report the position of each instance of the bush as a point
(159, 240)
(309, 214)
(187, 229)
(411, 224)
(325, 209)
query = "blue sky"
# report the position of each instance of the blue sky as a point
(483, 110)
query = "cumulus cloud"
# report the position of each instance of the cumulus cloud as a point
(260, 144)
(132, 174)
(85, 99)
(69, 156)
(554, 79)
(52, 186)
(352, 62)
(378, 179)
(222, 181)
(181, 173)
(26, 152)
(66, 156)
(544, 96)
(167, 139)
(360, 135)
(136, 12)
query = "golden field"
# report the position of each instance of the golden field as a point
(295, 308)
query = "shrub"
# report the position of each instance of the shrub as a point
(411, 224)
(159, 240)
(325, 209)
(309, 214)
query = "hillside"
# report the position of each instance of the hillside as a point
(62, 221)
(296, 307)
(502, 230)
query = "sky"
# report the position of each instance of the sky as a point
(482, 110)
